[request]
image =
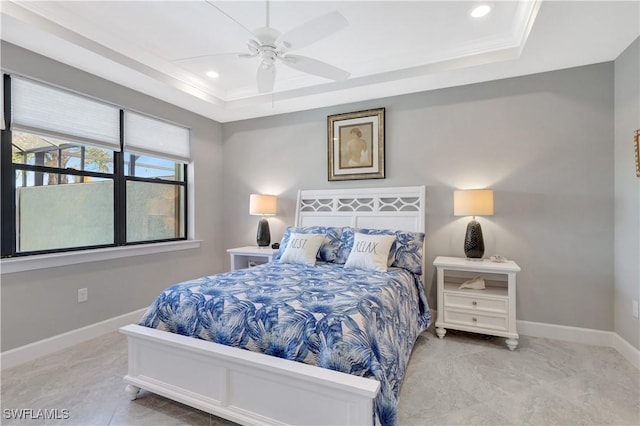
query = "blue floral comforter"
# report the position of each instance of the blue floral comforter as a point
(358, 322)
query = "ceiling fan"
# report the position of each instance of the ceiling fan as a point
(271, 46)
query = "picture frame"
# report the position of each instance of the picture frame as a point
(637, 151)
(356, 145)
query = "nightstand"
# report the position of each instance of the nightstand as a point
(488, 311)
(244, 257)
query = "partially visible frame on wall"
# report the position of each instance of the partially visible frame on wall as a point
(637, 143)
(356, 145)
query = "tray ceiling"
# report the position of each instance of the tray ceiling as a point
(389, 48)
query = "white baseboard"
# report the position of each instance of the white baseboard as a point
(34, 350)
(587, 336)
(627, 350)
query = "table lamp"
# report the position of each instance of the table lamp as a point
(262, 205)
(474, 202)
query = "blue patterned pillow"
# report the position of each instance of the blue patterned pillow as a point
(329, 248)
(406, 251)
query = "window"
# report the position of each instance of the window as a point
(155, 196)
(63, 194)
(78, 173)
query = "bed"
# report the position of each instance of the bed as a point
(349, 331)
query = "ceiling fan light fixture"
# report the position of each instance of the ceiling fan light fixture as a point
(480, 10)
(268, 57)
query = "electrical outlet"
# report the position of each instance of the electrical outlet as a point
(634, 305)
(83, 295)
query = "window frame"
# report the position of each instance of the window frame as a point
(157, 181)
(8, 223)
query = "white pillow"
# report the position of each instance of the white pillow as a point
(370, 252)
(302, 248)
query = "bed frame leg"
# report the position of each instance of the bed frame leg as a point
(132, 391)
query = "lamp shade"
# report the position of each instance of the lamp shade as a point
(474, 202)
(262, 205)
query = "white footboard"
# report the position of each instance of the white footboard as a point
(243, 386)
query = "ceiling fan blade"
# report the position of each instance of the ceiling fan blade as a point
(315, 67)
(313, 30)
(266, 77)
(253, 45)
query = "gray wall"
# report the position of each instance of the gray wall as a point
(542, 142)
(43, 303)
(627, 194)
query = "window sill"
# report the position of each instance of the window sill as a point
(30, 263)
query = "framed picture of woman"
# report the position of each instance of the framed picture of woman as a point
(356, 145)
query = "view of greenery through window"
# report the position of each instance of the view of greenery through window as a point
(57, 208)
(46, 151)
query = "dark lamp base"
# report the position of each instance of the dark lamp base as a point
(264, 235)
(473, 241)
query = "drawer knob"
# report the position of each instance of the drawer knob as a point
(474, 303)
(474, 319)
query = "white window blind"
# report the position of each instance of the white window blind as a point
(43, 109)
(149, 136)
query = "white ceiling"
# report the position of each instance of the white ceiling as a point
(389, 47)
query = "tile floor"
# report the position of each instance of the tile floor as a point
(465, 379)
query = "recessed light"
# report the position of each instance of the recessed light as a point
(480, 11)
(212, 74)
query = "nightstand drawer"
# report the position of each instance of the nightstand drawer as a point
(472, 319)
(472, 301)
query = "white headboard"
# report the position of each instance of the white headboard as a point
(401, 208)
